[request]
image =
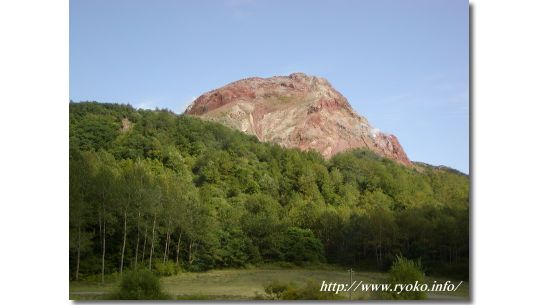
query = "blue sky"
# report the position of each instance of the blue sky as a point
(402, 63)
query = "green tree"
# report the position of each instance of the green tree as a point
(404, 271)
(301, 246)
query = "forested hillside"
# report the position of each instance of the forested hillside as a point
(166, 191)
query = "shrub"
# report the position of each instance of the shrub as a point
(166, 269)
(274, 290)
(140, 284)
(405, 271)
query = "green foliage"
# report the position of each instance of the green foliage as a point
(301, 246)
(165, 268)
(274, 290)
(140, 284)
(94, 132)
(405, 271)
(199, 195)
(236, 249)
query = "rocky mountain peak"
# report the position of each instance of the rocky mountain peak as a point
(295, 111)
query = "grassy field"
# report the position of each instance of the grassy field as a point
(240, 284)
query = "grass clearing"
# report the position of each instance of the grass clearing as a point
(243, 284)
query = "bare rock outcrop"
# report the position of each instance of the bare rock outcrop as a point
(295, 111)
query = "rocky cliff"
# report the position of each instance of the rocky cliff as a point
(295, 111)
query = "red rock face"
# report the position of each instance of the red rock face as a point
(295, 111)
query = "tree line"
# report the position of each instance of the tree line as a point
(169, 192)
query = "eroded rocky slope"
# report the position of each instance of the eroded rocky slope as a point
(295, 111)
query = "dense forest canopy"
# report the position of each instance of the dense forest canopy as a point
(156, 189)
